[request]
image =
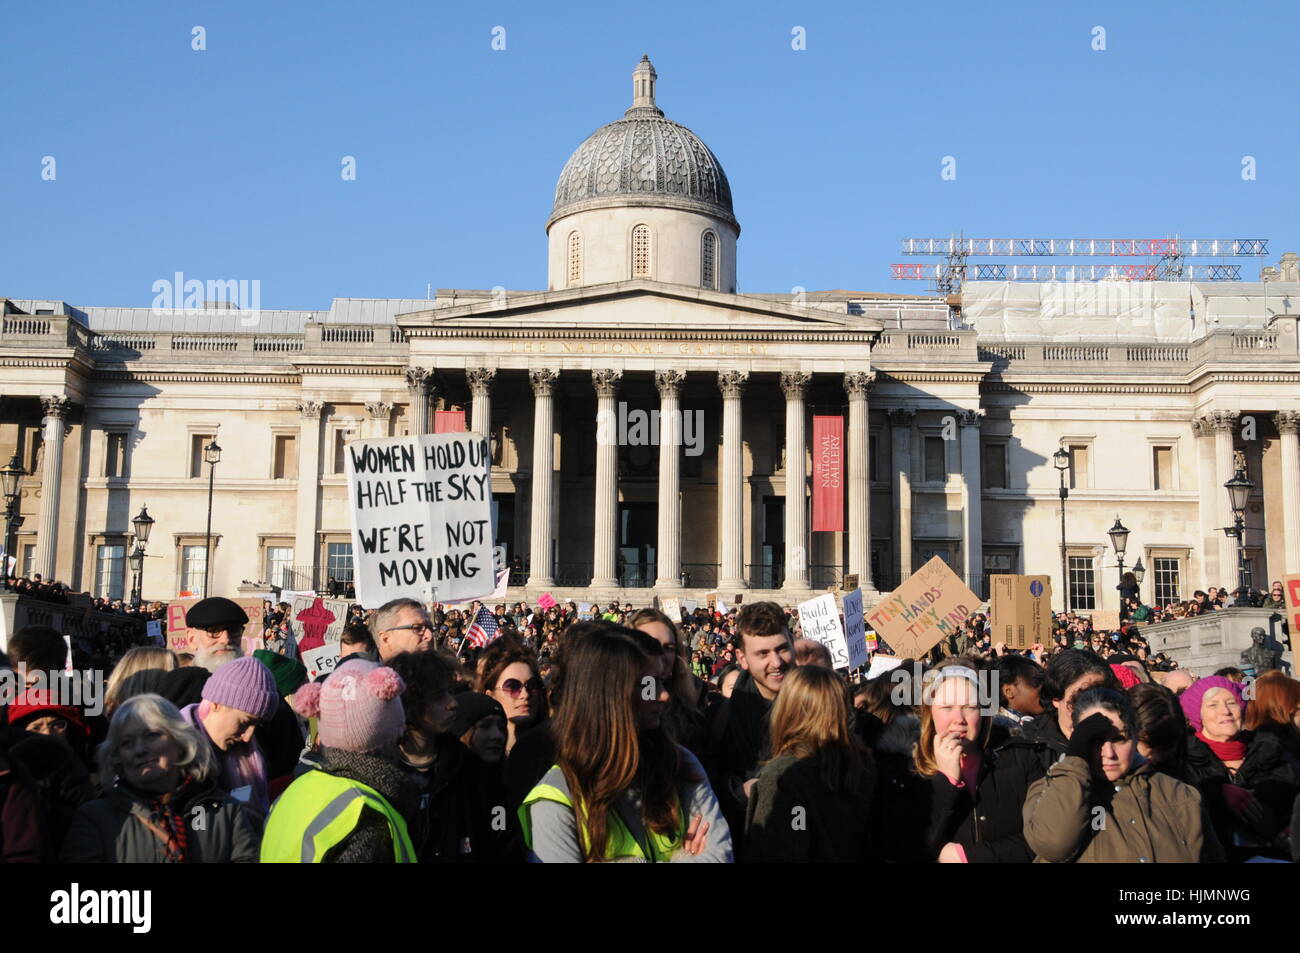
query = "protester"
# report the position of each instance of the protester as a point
(1020, 683)
(216, 627)
(401, 625)
(508, 673)
(1069, 672)
(138, 672)
(812, 800)
(1271, 768)
(812, 652)
(480, 724)
(620, 788)
(162, 803)
(37, 652)
(1161, 729)
(685, 715)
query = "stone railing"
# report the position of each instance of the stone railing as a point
(1206, 643)
(1172, 359)
(929, 346)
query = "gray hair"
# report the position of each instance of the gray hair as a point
(385, 614)
(157, 714)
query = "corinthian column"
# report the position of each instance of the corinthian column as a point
(669, 554)
(606, 380)
(480, 411)
(857, 384)
(419, 380)
(1222, 423)
(47, 541)
(900, 434)
(304, 539)
(541, 574)
(732, 480)
(1288, 425)
(795, 386)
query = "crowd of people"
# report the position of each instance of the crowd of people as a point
(623, 734)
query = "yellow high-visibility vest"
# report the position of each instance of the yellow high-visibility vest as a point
(318, 811)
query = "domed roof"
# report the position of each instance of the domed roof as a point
(643, 159)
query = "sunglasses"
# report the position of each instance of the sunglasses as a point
(513, 687)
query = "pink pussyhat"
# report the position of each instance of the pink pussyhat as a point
(359, 707)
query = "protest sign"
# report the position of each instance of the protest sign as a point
(1021, 610)
(1104, 620)
(872, 642)
(251, 645)
(178, 637)
(421, 517)
(320, 617)
(1291, 587)
(155, 630)
(253, 609)
(820, 620)
(881, 664)
(321, 660)
(855, 630)
(722, 605)
(690, 605)
(288, 595)
(711, 600)
(671, 608)
(545, 601)
(930, 606)
(503, 583)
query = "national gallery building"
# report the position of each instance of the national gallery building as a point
(651, 426)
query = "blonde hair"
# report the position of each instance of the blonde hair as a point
(157, 714)
(812, 718)
(924, 753)
(138, 659)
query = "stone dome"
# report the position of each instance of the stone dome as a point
(644, 159)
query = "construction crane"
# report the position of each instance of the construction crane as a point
(1171, 253)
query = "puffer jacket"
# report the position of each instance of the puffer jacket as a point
(1144, 818)
(116, 829)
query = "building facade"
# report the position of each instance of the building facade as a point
(641, 341)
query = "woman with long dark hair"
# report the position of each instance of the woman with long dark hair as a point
(620, 788)
(685, 714)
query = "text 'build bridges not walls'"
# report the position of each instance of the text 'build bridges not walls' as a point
(421, 518)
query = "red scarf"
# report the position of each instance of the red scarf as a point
(1226, 750)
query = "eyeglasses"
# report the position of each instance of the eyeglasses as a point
(416, 627)
(512, 686)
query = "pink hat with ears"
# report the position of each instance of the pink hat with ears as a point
(359, 707)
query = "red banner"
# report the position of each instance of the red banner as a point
(449, 421)
(828, 475)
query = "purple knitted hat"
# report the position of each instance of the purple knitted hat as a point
(245, 684)
(359, 707)
(1191, 698)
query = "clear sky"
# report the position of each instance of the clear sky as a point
(225, 163)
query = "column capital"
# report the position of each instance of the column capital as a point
(901, 416)
(1219, 421)
(669, 383)
(419, 379)
(859, 383)
(55, 405)
(543, 380)
(732, 383)
(970, 418)
(1288, 421)
(379, 409)
(310, 408)
(795, 384)
(606, 380)
(480, 380)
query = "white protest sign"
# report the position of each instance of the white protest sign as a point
(421, 517)
(671, 608)
(690, 605)
(881, 664)
(855, 630)
(322, 660)
(722, 605)
(312, 615)
(820, 620)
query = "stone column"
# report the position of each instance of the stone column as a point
(731, 480)
(304, 538)
(972, 497)
(419, 381)
(480, 411)
(669, 545)
(1288, 425)
(857, 383)
(1222, 423)
(605, 543)
(900, 436)
(541, 573)
(379, 412)
(795, 386)
(47, 541)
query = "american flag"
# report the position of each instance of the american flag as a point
(483, 629)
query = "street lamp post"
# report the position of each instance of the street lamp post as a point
(212, 456)
(143, 524)
(1119, 539)
(10, 477)
(1061, 460)
(1238, 495)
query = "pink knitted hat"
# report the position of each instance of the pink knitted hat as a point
(359, 707)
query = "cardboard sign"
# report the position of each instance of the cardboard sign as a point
(321, 661)
(315, 616)
(252, 607)
(1104, 620)
(1291, 588)
(820, 621)
(545, 601)
(850, 582)
(930, 606)
(421, 518)
(855, 629)
(249, 646)
(178, 637)
(1021, 610)
(672, 608)
(711, 600)
(155, 630)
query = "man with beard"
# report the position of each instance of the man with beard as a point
(215, 627)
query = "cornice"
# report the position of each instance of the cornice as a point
(198, 377)
(623, 334)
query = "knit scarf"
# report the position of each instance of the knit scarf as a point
(167, 823)
(1225, 750)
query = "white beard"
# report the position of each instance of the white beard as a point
(214, 659)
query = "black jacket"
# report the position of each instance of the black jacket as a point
(1210, 776)
(62, 782)
(462, 815)
(740, 742)
(793, 818)
(1044, 735)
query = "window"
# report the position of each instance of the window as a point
(115, 460)
(194, 561)
(1162, 468)
(110, 565)
(995, 466)
(709, 261)
(575, 258)
(338, 561)
(936, 463)
(1079, 469)
(872, 468)
(999, 562)
(286, 457)
(197, 442)
(341, 438)
(1165, 571)
(641, 251)
(29, 559)
(279, 566)
(1083, 583)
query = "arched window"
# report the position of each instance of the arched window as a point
(709, 261)
(575, 258)
(641, 251)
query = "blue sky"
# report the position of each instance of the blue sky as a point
(225, 163)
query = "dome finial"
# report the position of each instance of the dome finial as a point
(643, 89)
